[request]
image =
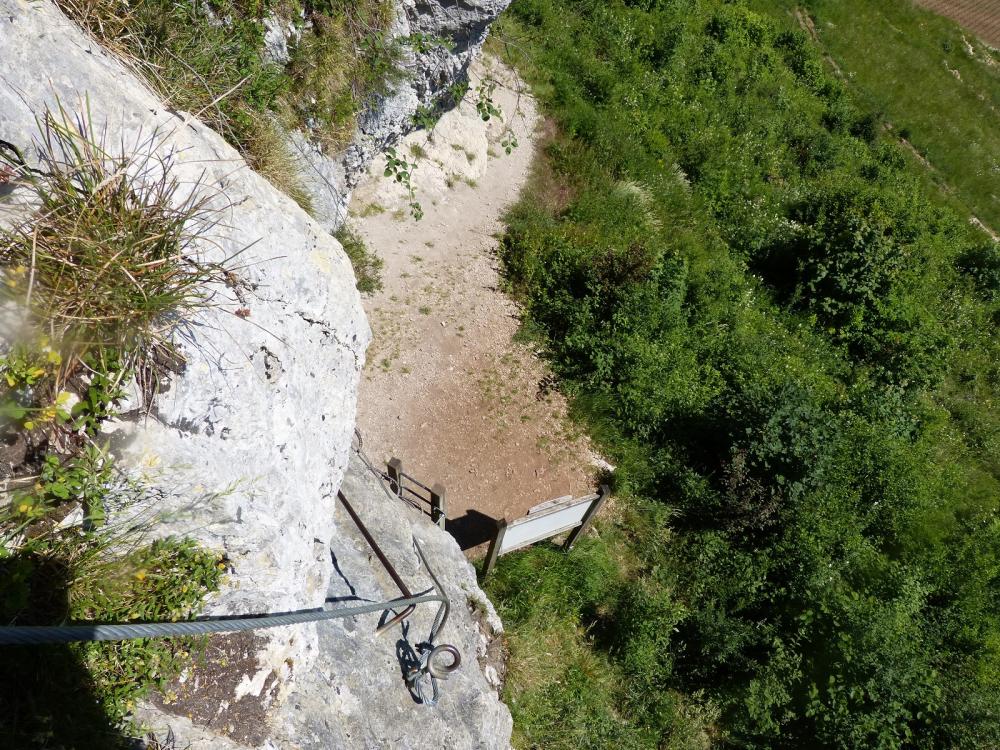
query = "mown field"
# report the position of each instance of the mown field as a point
(934, 84)
(779, 324)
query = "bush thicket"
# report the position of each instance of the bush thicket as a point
(783, 336)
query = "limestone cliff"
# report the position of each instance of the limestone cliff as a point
(247, 448)
(329, 179)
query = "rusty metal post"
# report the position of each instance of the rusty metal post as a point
(400, 583)
(588, 517)
(494, 551)
(395, 467)
(439, 509)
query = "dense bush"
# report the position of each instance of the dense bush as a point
(763, 313)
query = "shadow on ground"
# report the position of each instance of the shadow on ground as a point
(472, 529)
(47, 698)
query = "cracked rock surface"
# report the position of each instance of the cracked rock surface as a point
(355, 696)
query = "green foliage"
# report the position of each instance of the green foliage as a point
(82, 695)
(423, 43)
(400, 170)
(485, 105)
(982, 263)
(782, 334)
(211, 69)
(339, 66)
(164, 581)
(367, 265)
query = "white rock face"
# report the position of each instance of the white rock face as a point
(329, 179)
(250, 444)
(247, 448)
(354, 695)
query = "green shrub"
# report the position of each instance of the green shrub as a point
(752, 295)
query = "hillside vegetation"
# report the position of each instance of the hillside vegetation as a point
(782, 332)
(210, 60)
(935, 83)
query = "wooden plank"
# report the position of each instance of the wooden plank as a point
(395, 472)
(549, 503)
(494, 550)
(533, 528)
(439, 510)
(541, 537)
(602, 496)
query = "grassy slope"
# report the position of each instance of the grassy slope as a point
(732, 339)
(900, 60)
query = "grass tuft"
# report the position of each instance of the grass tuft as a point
(106, 261)
(367, 265)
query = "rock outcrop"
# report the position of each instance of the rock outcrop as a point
(246, 449)
(464, 24)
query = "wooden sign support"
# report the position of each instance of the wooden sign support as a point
(545, 521)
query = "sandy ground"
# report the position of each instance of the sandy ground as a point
(445, 388)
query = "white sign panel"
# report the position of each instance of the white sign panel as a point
(542, 525)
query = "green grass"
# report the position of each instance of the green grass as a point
(898, 60)
(367, 265)
(108, 255)
(781, 331)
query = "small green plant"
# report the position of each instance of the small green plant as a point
(367, 265)
(83, 695)
(427, 116)
(424, 43)
(401, 170)
(485, 105)
(508, 141)
(108, 257)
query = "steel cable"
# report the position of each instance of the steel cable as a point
(23, 635)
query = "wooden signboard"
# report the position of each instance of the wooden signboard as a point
(545, 521)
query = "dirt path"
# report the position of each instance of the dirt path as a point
(446, 388)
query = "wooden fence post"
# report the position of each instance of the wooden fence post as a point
(494, 551)
(588, 517)
(395, 466)
(439, 509)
